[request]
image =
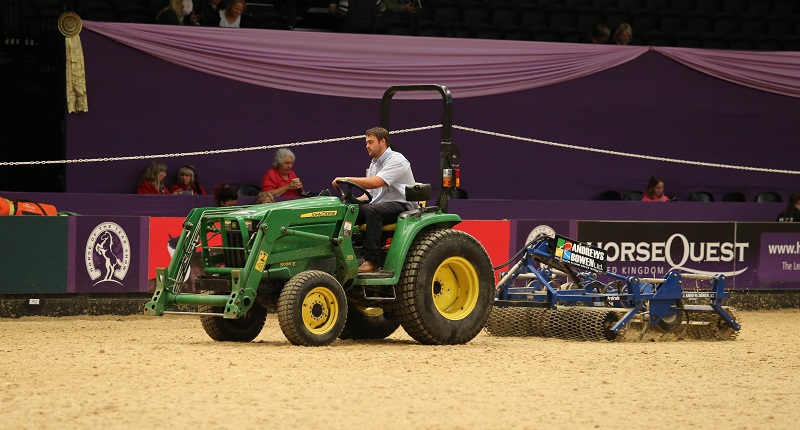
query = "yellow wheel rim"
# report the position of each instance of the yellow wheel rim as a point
(370, 311)
(320, 310)
(455, 288)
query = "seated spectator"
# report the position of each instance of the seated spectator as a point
(281, 181)
(624, 34)
(233, 16)
(187, 182)
(655, 190)
(225, 196)
(264, 197)
(208, 12)
(792, 211)
(152, 181)
(600, 34)
(177, 12)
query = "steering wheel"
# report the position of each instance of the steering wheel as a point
(348, 197)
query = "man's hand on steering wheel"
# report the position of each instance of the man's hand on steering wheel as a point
(348, 196)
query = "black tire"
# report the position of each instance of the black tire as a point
(243, 329)
(312, 309)
(367, 323)
(446, 290)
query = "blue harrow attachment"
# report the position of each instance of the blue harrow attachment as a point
(560, 288)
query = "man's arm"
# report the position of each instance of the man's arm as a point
(368, 183)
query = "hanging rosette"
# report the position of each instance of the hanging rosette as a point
(70, 25)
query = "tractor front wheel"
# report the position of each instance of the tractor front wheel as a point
(243, 329)
(312, 309)
(446, 289)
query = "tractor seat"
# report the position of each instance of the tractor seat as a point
(417, 193)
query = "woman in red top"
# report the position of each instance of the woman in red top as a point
(187, 182)
(655, 190)
(152, 181)
(281, 181)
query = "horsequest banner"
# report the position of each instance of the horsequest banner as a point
(750, 255)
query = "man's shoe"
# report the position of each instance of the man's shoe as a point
(368, 267)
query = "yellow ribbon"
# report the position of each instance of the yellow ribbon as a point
(70, 25)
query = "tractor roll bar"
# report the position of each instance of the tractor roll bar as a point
(448, 153)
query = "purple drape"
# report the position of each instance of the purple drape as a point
(776, 72)
(349, 65)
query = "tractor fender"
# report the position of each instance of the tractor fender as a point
(408, 229)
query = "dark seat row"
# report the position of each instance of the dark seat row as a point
(699, 196)
(767, 25)
(663, 26)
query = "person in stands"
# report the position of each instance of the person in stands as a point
(187, 182)
(225, 196)
(624, 34)
(233, 16)
(264, 197)
(792, 211)
(600, 34)
(152, 181)
(655, 190)
(208, 12)
(280, 180)
(178, 12)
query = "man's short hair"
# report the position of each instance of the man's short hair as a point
(380, 133)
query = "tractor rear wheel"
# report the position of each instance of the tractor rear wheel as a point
(446, 290)
(367, 323)
(243, 329)
(312, 309)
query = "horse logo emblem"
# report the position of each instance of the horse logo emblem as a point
(108, 253)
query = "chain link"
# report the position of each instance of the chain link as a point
(407, 130)
(627, 154)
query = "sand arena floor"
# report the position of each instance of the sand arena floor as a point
(114, 372)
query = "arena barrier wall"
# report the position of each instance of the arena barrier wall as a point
(118, 254)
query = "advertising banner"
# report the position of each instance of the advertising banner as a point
(651, 249)
(750, 255)
(110, 254)
(164, 234)
(492, 234)
(579, 255)
(777, 260)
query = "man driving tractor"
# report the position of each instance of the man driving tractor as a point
(388, 174)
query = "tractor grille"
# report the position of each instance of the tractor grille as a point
(234, 257)
(234, 254)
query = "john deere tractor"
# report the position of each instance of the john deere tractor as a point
(300, 259)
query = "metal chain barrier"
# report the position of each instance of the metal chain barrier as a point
(627, 154)
(407, 130)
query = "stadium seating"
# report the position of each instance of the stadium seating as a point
(716, 24)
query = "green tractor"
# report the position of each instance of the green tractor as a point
(300, 258)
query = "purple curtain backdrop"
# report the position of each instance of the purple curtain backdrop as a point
(347, 66)
(311, 86)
